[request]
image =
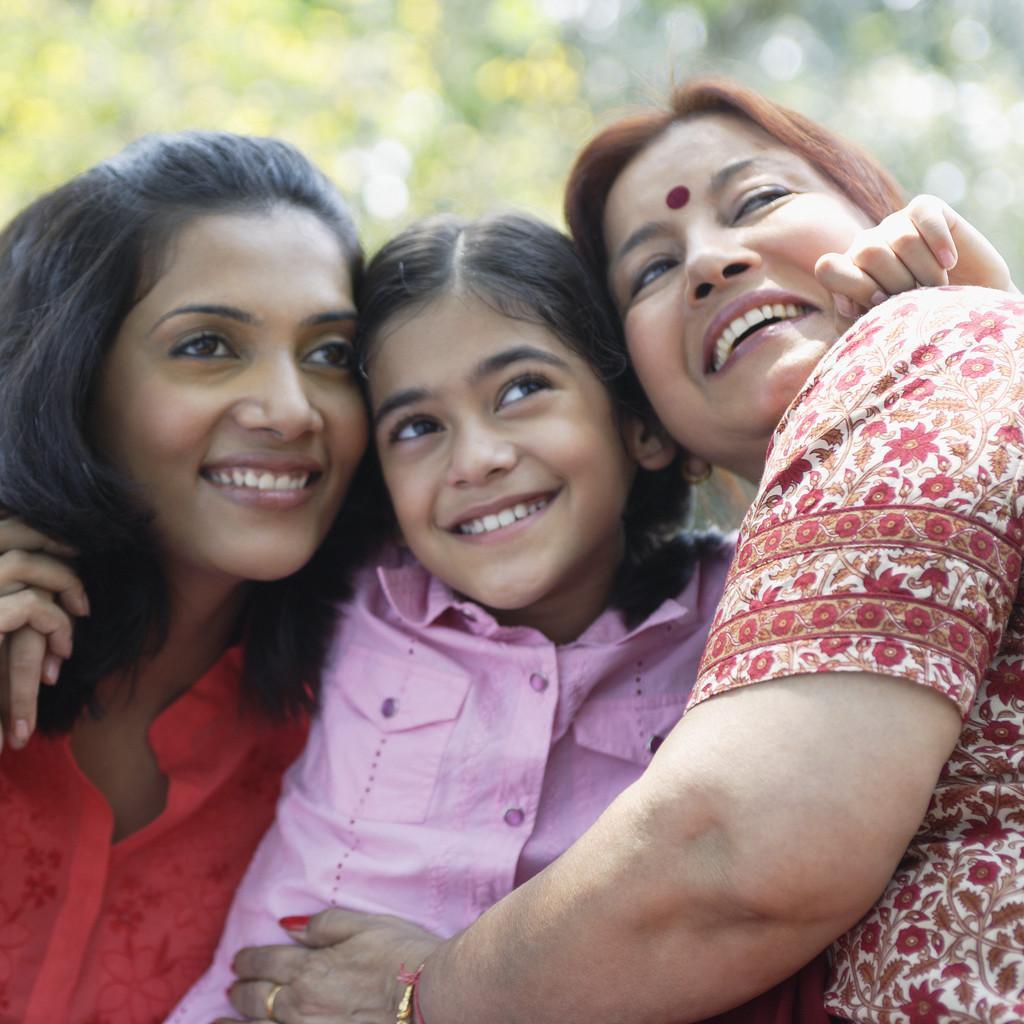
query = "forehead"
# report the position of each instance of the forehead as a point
(243, 250)
(694, 153)
(445, 341)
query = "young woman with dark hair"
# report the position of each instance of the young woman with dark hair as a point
(178, 407)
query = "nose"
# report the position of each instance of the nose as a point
(713, 259)
(479, 453)
(277, 400)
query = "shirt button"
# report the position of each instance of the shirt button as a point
(514, 816)
(654, 742)
(388, 707)
(538, 682)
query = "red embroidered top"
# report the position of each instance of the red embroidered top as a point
(887, 538)
(98, 933)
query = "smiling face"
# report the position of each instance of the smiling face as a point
(227, 397)
(505, 462)
(723, 316)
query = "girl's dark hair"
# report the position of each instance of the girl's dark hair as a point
(526, 270)
(72, 265)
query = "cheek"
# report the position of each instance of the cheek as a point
(817, 226)
(348, 429)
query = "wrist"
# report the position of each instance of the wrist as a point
(408, 1011)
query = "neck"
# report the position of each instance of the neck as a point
(202, 620)
(566, 611)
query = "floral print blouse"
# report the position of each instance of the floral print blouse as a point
(887, 538)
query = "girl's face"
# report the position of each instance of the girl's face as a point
(506, 464)
(227, 396)
(712, 234)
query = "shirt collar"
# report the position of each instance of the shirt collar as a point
(420, 599)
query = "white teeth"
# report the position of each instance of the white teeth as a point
(506, 517)
(265, 481)
(742, 324)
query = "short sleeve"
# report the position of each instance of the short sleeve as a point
(886, 535)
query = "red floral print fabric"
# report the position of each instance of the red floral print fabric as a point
(95, 932)
(887, 538)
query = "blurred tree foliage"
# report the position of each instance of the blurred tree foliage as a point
(415, 105)
(418, 105)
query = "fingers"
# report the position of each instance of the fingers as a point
(854, 290)
(15, 534)
(35, 636)
(269, 963)
(332, 926)
(26, 653)
(262, 1000)
(911, 248)
(20, 568)
(36, 608)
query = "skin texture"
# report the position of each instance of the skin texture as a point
(493, 412)
(267, 387)
(760, 231)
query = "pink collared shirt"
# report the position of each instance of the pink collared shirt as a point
(453, 758)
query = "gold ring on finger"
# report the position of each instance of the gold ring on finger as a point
(271, 999)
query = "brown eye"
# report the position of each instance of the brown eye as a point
(651, 272)
(759, 199)
(337, 354)
(202, 346)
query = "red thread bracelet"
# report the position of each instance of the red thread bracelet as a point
(409, 1004)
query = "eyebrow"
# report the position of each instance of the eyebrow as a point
(653, 228)
(241, 316)
(485, 368)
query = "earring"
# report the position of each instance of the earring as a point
(696, 471)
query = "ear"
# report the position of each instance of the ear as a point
(647, 444)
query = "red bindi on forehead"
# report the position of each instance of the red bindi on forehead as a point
(677, 197)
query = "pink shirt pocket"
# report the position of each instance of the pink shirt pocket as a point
(628, 728)
(388, 733)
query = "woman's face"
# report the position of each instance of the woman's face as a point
(712, 234)
(228, 398)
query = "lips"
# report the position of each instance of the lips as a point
(735, 322)
(263, 473)
(500, 513)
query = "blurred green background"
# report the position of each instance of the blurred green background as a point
(415, 105)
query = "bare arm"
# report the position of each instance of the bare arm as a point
(768, 823)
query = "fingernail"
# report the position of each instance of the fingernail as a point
(21, 732)
(82, 603)
(845, 308)
(878, 297)
(51, 668)
(294, 924)
(947, 259)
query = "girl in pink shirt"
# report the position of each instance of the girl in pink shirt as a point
(501, 678)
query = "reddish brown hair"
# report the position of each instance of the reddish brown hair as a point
(856, 174)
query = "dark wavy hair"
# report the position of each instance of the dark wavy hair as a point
(526, 270)
(72, 265)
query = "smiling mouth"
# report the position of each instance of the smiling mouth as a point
(251, 479)
(748, 323)
(506, 517)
